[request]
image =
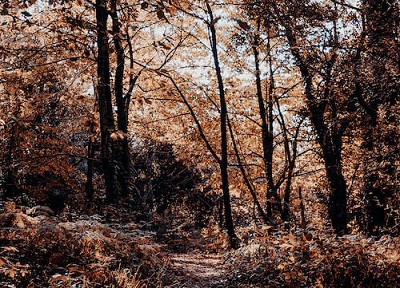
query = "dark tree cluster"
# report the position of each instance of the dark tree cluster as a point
(164, 184)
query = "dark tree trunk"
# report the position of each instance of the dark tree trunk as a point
(285, 214)
(265, 134)
(303, 221)
(121, 148)
(246, 178)
(223, 129)
(105, 103)
(338, 194)
(291, 156)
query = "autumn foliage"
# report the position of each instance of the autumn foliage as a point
(133, 130)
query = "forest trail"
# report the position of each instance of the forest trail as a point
(195, 264)
(196, 269)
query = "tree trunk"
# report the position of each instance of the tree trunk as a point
(291, 156)
(266, 145)
(338, 192)
(329, 133)
(267, 137)
(105, 103)
(223, 129)
(303, 221)
(285, 214)
(121, 148)
(246, 178)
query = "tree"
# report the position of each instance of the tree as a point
(42, 108)
(317, 64)
(223, 163)
(260, 39)
(378, 99)
(208, 19)
(105, 101)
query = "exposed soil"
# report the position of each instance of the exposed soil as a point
(195, 269)
(193, 262)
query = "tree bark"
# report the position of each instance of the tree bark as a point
(121, 148)
(265, 133)
(223, 129)
(105, 103)
(338, 195)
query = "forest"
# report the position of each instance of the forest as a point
(199, 143)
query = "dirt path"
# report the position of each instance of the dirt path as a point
(199, 270)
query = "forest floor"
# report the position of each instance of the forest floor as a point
(70, 250)
(289, 260)
(198, 270)
(194, 262)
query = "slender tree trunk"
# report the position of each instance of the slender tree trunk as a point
(267, 151)
(223, 129)
(246, 179)
(267, 136)
(291, 156)
(303, 221)
(285, 215)
(273, 189)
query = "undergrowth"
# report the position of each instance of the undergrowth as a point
(315, 259)
(43, 251)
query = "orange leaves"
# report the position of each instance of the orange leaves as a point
(9, 267)
(118, 135)
(171, 10)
